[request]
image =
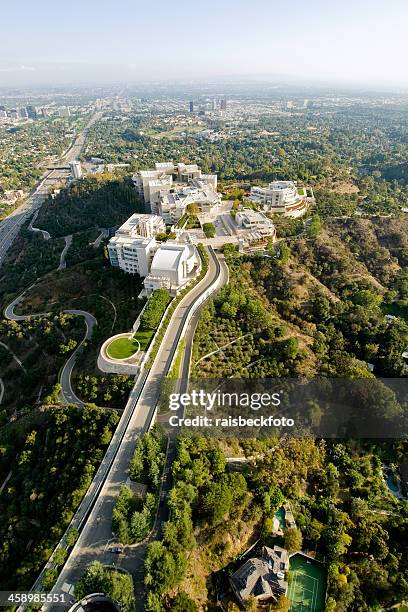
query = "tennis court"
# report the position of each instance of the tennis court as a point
(307, 590)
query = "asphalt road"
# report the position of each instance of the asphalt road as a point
(11, 225)
(67, 393)
(96, 536)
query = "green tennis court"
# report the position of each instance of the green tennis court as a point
(307, 590)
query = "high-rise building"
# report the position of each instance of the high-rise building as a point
(64, 112)
(223, 105)
(23, 113)
(191, 106)
(76, 169)
(32, 112)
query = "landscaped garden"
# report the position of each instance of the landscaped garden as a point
(144, 336)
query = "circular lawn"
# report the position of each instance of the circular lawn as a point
(122, 348)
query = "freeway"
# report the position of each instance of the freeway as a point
(11, 225)
(96, 535)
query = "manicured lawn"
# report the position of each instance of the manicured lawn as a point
(307, 590)
(121, 348)
(144, 338)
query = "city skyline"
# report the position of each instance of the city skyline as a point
(360, 43)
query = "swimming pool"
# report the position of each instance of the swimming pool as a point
(280, 515)
(392, 483)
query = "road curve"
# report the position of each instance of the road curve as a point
(68, 242)
(68, 395)
(136, 419)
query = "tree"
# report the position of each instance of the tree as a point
(154, 602)
(115, 584)
(282, 605)
(252, 604)
(314, 226)
(163, 569)
(48, 581)
(193, 209)
(59, 556)
(293, 540)
(217, 502)
(284, 253)
(209, 230)
(72, 536)
(183, 603)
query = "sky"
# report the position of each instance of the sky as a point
(103, 41)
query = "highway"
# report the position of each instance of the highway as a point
(96, 535)
(11, 225)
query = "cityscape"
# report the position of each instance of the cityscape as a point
(204, 308)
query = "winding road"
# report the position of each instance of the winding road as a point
(68, 242)
(68, 395)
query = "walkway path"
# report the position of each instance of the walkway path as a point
(46, 235)
(104, 234)
(5, 481)
(16, 359)
(63, 263)
(220, 348)
(1, 390)
(114, 310)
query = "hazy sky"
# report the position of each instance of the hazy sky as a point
(45, 41)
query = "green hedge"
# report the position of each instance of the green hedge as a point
(155, 309)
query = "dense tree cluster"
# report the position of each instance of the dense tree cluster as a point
(53, 455)
(36, 350)
(344, 513)
(104, 197)
(204, 496)
(317, 308)
(133, 516)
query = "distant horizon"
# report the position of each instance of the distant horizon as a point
(349, 44)
(227, 84)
